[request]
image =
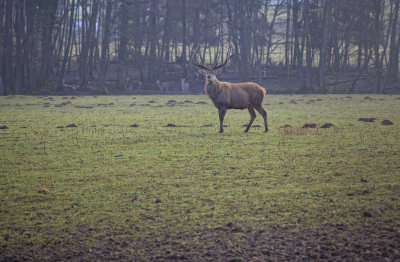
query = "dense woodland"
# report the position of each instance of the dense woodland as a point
(128, 46)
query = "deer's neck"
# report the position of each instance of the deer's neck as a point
(212, 88)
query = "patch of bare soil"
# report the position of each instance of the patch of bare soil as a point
(369, 98)
(201, 103)
(367, 119)
(62, 104)
(309, 125)
(83, 106)
(170, 125)
(3, 127)
(371, 241)
(327, 125)
(386, 122)
(71, 125)
(105, 105)
(171, 102)
(134, 125)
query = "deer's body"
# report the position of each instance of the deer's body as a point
(226, 95)
(234, 95)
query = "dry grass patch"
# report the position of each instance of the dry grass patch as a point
(300, 131)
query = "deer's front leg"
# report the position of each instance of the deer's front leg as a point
(222, 112)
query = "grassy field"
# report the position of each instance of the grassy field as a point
(149, 178)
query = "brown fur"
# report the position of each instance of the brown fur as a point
(227, 95)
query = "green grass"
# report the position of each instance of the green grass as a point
(105, 178)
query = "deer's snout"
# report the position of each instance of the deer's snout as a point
(208, 77)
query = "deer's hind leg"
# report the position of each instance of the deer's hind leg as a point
(252, 117)
(262, 112)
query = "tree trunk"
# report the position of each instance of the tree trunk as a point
(167, 31)
(87, 41)
(19, 34)
(151, 76)
(288, 7)
(8, 83)
(298, 53)
(184, 38)
(393, 66)
(49, 8)
(122, 49)
(377, 43)
(324, 47)
(307, 37)
(105, 45)
(67, 47)
(244, 42)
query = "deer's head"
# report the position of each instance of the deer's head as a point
(210, 72)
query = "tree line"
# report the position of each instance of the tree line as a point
(46, 44)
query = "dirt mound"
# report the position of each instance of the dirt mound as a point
(71, 125)
(62, 104)
(105, 105)
(327, 125)
(386, 122)
(170, 125)
(134, 125)
(367, 119)
(309, 125)
(83, 106)
(3, 127)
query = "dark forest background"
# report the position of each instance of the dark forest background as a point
(138, 46)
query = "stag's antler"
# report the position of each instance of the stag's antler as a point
(200, 65)
(228, 56)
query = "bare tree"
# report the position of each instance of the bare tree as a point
(325, 42)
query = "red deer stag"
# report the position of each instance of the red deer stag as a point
(226, 95)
